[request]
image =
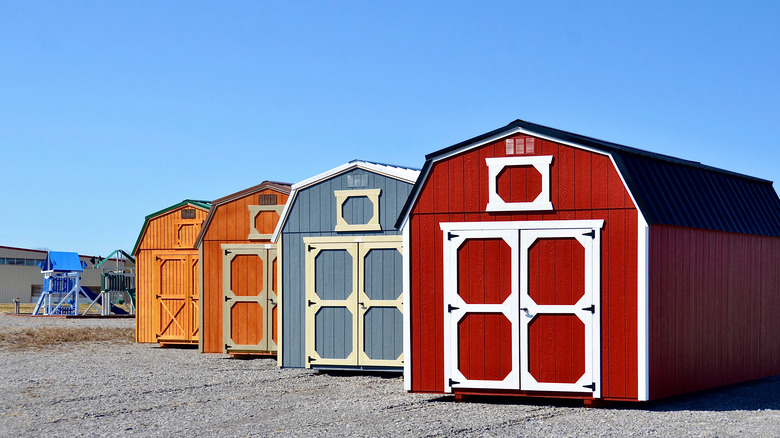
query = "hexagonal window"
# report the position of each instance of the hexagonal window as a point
(556, 271)
(265, 222)
(383, 333)
(484, 271)
(383, 274)
(246, 275)
(519, 184)
(485, 346)
(556, 348)
(333, 332)
(357, 210)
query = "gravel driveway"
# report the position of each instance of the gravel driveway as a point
(127, 389)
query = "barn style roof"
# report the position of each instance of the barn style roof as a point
(281, 187)
(205, 205)
(399, 172)
(667, 190)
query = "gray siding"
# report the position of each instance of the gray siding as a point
(313, 213)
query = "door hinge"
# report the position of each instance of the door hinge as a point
(592, 386)
(272, 301)
(311, 303)
(311, 359)
(450, 235)
(591, 233)
(157, 296)
(453, 382)
(227, 347)
(309, 248)
(591, 309)
(450, 308)
(227, 252)
(227, 298)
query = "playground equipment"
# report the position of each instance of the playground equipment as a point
(63, 293)
(117, 283)
(61, 284)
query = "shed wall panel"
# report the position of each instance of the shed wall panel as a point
(583, 185)
(230, 224)
(162, 233)
(313, 214)
(713, 309)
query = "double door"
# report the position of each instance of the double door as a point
(353, 302)
(522, 306)
(175, 277)
(249, 285)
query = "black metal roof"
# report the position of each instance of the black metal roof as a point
(668, 190)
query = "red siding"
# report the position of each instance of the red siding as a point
(713, 308)
(583, 185)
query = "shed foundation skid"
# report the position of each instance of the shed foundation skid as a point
(543, 263)
(341, 269)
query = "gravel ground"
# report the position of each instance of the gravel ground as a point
(126, 389)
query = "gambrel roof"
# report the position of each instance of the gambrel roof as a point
(407, 174)
(667, 190)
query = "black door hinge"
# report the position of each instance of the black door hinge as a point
(592, 386)
(591, 309)
(311, 303)
(311, 359)
(310, 248)
(452, 382)
(227, 298)
(450, 235)
(591, 233)
(450, 308)
(227, 252)
(227, 347)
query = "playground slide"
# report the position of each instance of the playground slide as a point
(114, 309)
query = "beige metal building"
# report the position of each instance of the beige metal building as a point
(20, 276)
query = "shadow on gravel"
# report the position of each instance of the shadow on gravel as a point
(348, 373)
(748, 396)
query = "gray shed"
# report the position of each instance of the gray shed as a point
(341, 269)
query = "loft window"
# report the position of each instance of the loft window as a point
(188, 213)
(540, 163)
(266, 200)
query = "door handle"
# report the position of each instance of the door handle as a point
(363, 305)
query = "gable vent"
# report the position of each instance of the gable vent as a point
(188, 213)
(266, 199)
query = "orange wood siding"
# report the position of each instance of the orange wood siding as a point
(230, 224)
(169, 234)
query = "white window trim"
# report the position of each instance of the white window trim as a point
(496, 165)
(342, 196)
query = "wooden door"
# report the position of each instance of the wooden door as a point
(559, 307)
(176, 300)
(248, 284)
(353, 296)
(521, 306)
(331, 292)
(379, 307)
(482, 331)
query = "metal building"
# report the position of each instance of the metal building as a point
(20, 275)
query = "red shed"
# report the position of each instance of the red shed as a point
(546, 263)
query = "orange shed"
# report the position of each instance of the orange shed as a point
(238, 268)
(167, 274)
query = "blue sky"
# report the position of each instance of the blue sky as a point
(110, 111)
